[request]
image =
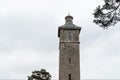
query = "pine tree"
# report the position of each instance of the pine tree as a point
(107, 15)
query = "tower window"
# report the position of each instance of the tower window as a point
(69, 36)
(69, 76)
(69, 60)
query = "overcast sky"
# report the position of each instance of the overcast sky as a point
(29, 41)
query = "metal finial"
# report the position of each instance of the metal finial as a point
(69, 13)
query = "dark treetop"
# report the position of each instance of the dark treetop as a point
(107, 15)
(40, 75)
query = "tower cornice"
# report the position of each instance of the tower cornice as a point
(68, 28)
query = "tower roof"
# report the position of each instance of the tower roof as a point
(68, 17)
(68, 25)
(69, 22)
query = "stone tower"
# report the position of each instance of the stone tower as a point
(69, 60)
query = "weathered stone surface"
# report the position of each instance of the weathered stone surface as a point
(69, 60)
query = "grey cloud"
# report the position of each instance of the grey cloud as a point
(32, 33)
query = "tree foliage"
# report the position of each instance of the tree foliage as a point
(40, 75)
(107, 15)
